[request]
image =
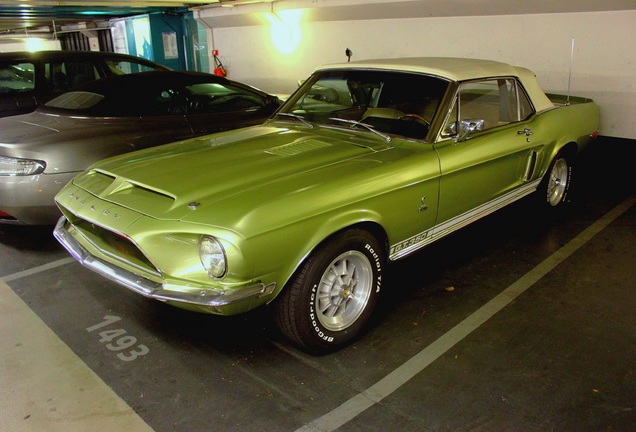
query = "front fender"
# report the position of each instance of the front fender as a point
(325, 228)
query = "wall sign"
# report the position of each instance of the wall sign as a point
(170, 50)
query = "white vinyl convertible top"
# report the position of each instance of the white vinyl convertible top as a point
(456, 69)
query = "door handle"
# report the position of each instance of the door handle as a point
(525, 131)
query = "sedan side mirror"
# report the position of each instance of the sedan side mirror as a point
(272, 100)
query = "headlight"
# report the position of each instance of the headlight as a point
(212, 256)
(20, 167)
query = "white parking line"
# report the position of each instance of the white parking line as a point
(45, 386)
(383, 388)
(38, 269)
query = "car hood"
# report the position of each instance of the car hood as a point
(31, 134)
(68, 144)
(229, 172)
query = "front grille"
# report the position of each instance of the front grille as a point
(115, 245)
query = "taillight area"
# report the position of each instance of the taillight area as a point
(594, 134)
(6, 216)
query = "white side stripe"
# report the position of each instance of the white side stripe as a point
(418, 241)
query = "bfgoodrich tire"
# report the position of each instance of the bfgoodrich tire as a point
(332, 295)
(556, 183)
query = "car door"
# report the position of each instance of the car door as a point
(152, 116)
(491, 158)
(163, 113)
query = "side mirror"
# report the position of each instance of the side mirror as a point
(273, 100)
(468, 127)
(450, 130)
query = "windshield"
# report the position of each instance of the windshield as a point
(393, 103)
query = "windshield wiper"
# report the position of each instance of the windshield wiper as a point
(297, 117)
(364, 125)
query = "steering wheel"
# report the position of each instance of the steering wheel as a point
(416, 117)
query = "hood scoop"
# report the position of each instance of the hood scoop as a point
(123, 192)
(299, 146)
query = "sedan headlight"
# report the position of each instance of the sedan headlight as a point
(212, 256)
(20, 167)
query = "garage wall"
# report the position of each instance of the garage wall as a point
(40, 44)
(604, 63)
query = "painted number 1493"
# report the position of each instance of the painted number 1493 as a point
(118, 340)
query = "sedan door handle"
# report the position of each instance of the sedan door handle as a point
(525, 131)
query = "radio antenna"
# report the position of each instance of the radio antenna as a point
(567, 101)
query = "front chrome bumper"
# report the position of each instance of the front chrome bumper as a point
(203, 296)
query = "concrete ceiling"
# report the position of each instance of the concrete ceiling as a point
(33, 15)
(28, 16)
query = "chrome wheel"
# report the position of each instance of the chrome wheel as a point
(558, 182)
(344, 290)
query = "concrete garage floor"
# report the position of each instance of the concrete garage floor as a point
(514, 323)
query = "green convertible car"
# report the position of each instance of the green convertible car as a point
(364, 164)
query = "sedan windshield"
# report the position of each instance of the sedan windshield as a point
(386, 103)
